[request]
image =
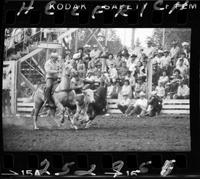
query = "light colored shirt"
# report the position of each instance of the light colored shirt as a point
(165, 61)
(126, 90)
(183, 90)
(124, 102)
(95, 53)
(113, 73)
(51, 69)
(174, 51)
(160, 91)
(185, 62)
(183, 69)
(149, 51)
(142, 103)
(163, 79)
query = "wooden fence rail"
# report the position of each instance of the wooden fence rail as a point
(170, 106)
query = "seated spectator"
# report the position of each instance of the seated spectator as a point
(165, 60)
(123, 70)
(118, 61)
(132, 80)
(140, 86)
(131, 65)
(126, 89)
(160, 57)
(95, 52)
(76, 81)
(81, 68)
(181, 66)
(184, 60)
(160, 90)
(110, 61)
(116, 90)
(154, 105)
(183, 91)
(110, 89)
(172, 86)
(113, 72)
(170, 69)
(164, 78)
(156, 73)
(123, 103)
(139, 107)
(186, 49)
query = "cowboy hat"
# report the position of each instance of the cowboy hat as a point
(54, 55)
(166, 51)
(133, 55)
(153, 93)
(76, 56)
(142, 94)
(87, 46)
(185, 44)
(160, 51)
(174, 42)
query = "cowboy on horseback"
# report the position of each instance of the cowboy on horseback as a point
(52, 70)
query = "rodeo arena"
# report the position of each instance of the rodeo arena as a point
(85, 89)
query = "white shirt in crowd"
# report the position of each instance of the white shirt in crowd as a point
(149, 51)
(95, 53)
(185, 62)
(110, 90)
(160, 91)
(142, 103)
(131, 67)
(165, 61)
(163, 79)
(183, 90)
(124, 101)
(174, 51)
(113, 73)
(126, 90)
(183, 69)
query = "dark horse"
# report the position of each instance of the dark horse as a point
(100, 102)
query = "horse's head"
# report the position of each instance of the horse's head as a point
(67, 70)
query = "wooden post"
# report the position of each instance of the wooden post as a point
(133, 39)
(106, 38)
(76, 41)
(13, 91)
(163, 38)
(149, 78)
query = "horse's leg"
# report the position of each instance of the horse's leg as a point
(61, 109)
(37, 108)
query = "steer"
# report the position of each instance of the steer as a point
(82, 102)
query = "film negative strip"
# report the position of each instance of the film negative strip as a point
(100, 89)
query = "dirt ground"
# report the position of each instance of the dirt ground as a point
(108, 133)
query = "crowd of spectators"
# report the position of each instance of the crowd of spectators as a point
(126, 72)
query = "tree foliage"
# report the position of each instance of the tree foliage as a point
(170, 34)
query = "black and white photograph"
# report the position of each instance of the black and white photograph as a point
(96, 89)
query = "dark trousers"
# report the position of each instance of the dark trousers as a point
(122, 108)
(133, 110)
(49, 85)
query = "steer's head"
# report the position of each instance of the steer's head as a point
(88, 96)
